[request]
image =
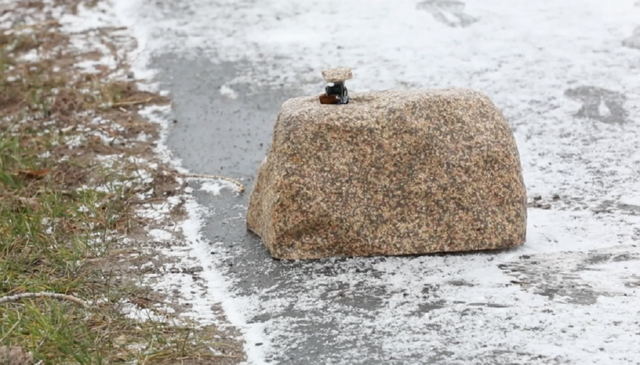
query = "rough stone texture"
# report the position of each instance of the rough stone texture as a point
(14, 355)
(337, 74)
(390, 173)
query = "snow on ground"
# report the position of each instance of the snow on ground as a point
(568, 84)
(216, 187)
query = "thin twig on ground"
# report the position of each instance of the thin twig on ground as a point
(215, 177)
(132, 102)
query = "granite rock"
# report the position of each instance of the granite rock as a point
(390, 173)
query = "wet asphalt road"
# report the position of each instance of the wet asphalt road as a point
(311, 311)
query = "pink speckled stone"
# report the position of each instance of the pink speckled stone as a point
(390, 173)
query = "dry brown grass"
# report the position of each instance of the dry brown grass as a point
(60, 209)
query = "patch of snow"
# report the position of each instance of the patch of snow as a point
(100, 188)
(158, 114)
(100, 120)
(631, 199)
(46, 222)
(107, 139)
(227, 91)
(215, 187)
(160, 235)
(87, 18)
(108, 160)
(138, 160)
(126, 13)
(216, 283)
(96, 67)
(142, 137)
(154, 212)
(579, 231)
(75, 141)
(31, 56)
(143, 177)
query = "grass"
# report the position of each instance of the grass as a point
(61, 211)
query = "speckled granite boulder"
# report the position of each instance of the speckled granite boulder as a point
(390, 173)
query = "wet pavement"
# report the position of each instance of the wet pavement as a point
(569, 296)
